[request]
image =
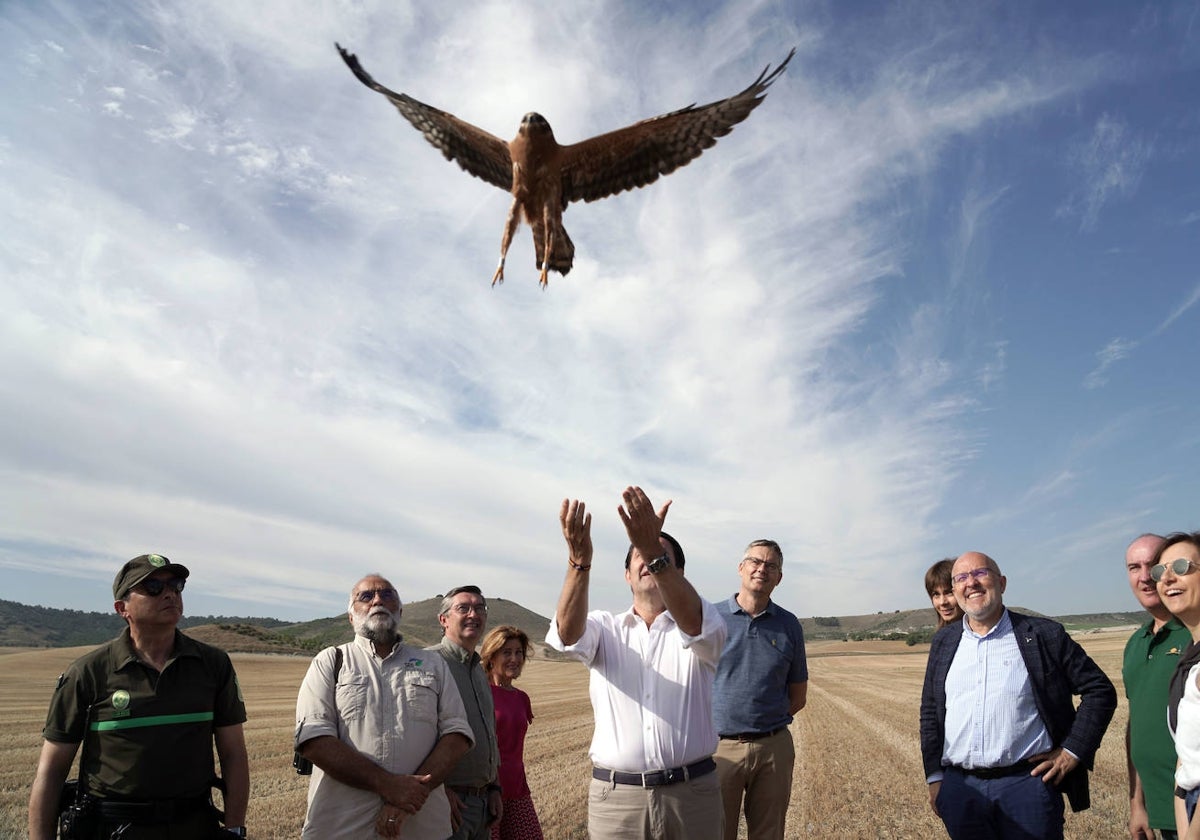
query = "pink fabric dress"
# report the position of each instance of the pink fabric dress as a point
(514, 713)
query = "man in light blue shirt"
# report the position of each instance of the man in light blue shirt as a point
(762, 680)
(1001, 739)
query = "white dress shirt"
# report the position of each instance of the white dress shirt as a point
(651, 688)
(1187, 734)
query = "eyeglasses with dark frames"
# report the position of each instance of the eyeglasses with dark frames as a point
(1179, 566)
(757, 563)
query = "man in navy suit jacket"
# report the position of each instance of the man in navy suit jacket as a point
(1001, 738)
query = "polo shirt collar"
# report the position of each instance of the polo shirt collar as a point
(122, 652)
(734, 606)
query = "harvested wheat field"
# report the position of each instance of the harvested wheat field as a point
(858, 772)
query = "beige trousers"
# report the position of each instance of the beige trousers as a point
(686, 811)
(761, 772)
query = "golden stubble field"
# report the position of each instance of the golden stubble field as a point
(858, 771)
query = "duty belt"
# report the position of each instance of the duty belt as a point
(152, 811)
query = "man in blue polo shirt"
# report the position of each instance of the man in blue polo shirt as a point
(762, 680)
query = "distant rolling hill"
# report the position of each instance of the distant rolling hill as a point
(26, 626)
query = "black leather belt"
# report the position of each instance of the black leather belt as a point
(463, 790)
(1018, 769)
(752, 736)
(656, 778)
(153, 811)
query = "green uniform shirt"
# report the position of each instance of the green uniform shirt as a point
(1150, 659)
(151, 734)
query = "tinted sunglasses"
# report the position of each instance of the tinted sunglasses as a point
(156, 586)
(1178, 566)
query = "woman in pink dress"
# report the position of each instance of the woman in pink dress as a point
(503, 656)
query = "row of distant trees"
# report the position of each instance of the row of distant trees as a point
(914, 637)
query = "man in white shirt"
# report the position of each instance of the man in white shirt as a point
(383, 723)
(652, 670)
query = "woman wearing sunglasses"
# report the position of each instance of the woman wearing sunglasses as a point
(1174, 572)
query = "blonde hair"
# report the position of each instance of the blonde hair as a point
(497, 639)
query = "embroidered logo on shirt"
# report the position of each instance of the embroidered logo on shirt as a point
(414, 663)
(1174, 652)
(120, 703)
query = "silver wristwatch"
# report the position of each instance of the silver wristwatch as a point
(658, 564)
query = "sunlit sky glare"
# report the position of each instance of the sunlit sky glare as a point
(937, 294)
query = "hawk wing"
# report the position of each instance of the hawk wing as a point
(482, 154)
(637, 155)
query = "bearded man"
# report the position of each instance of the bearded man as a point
(382, 723)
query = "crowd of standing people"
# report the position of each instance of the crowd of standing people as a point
(692, 704)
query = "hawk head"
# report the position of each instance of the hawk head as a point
(534, 124)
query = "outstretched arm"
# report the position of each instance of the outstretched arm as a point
(571, 615)
(643, 525)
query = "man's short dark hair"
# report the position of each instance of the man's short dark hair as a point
(676, 549)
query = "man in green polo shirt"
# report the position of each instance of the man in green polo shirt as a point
(1151, 655)
(147, 707)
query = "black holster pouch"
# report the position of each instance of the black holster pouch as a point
(77, 815)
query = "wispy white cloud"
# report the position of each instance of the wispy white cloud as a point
(1191, 300)
(258, 331)
(1106, 357)
(1111, 163)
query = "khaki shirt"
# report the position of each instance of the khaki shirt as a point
(393, 710)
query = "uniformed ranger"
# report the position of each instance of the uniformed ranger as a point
(147, 708)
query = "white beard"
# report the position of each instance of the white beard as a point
(380, 626)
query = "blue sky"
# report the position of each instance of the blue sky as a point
(937, 294)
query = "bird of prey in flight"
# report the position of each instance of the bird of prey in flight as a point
(545, 177)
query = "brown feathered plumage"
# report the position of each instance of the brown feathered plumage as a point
(545, 177)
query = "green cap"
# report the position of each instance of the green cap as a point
(140, 568)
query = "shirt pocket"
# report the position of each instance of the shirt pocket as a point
(351, 694)
(421, 696)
